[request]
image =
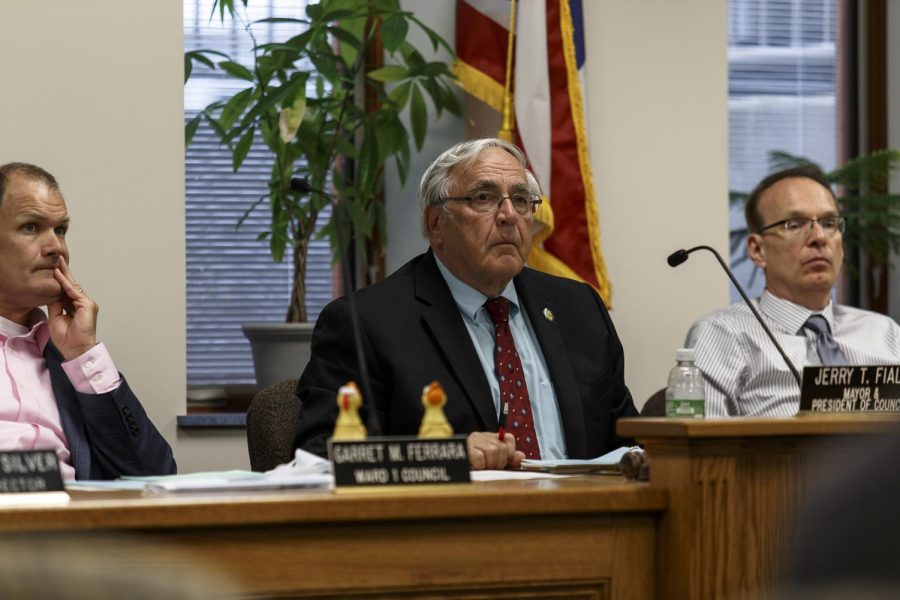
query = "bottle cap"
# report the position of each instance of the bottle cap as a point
(685, 354)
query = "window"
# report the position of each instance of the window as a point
(231, 277)
(781, 96)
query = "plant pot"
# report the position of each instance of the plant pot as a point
(280, 350)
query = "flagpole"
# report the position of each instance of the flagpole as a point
(507, 116)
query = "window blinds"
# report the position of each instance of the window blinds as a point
(231, 277)
(781, 80)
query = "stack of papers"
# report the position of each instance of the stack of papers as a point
(306, 471)
(231, 481)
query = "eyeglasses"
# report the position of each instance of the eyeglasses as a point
(799, 227)
(487, 202)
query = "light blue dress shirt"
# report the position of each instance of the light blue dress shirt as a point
(544, 409)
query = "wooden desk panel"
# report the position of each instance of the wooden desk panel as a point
(590, 538)
(735, 486)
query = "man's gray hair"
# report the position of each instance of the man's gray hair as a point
(27, 170)
(439, 177)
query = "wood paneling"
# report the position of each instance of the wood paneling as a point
(590, 538)
(735, 486)
(714, 521)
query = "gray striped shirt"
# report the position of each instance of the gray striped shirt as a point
(744, 373)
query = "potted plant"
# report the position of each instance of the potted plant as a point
(326, 117)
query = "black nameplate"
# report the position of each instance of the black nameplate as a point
(29, 471)
(851, 389)
(399, 461)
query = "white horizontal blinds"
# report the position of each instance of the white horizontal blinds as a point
(231, 277)
(781, 93)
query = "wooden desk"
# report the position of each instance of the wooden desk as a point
(589, 538)
(734, 489)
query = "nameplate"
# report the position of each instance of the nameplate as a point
(399, 461)
(851, 389)
(29, 471)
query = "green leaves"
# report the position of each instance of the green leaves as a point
(199, 56)
(190, 129)
(320, 129)
(418, 117)
(235, 107)
(290, 118)
(393, 31)
(236, 70)
(388, 73)
(242, 148)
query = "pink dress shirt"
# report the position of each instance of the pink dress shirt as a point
(29, 416)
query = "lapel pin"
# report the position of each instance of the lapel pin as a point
(548, 314)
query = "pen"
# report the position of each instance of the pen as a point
(501, 431)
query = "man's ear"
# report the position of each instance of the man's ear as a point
(433, 217)
(756, 251)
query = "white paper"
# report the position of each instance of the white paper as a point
(609, 459)
(501, 475)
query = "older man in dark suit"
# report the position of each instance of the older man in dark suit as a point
(499, 337)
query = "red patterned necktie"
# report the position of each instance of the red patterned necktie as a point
(512, 380)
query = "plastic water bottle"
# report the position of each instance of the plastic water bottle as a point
(684, 394)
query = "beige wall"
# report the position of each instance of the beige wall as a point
(658, 123)
(93, 92)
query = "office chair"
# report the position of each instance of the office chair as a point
(655, 405)
(272, 421)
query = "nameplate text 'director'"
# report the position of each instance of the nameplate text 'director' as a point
(874, 388)
(29, 471)
(399, 461)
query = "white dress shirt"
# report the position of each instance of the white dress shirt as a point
(744, 373)
(544, 408)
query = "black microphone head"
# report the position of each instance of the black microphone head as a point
(300, 185)
(677, 257)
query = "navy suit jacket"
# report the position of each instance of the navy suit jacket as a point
(108, 435)
(413, 334)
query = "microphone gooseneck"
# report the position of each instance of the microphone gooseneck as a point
(679, 256)
(302, 186)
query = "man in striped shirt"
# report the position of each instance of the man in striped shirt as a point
(796, 239)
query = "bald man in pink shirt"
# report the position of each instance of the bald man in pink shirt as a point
(59, 388)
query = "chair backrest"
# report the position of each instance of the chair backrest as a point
(272, 421)
(655, 406)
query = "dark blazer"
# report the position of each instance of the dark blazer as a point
(413, 334)
(108, 435)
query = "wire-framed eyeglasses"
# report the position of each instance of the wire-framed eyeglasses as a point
(485, 201)
(797, 227)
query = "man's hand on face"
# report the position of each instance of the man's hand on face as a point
(72, 318)
(487, 451)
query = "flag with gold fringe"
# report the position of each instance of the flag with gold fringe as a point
(525, 60)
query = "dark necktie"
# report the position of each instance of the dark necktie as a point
(829, 351)
(512, 380)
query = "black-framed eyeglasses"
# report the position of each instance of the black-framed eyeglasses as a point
(486, 201)
(802, 227)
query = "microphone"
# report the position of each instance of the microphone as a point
(303, 187)
(679, 256)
